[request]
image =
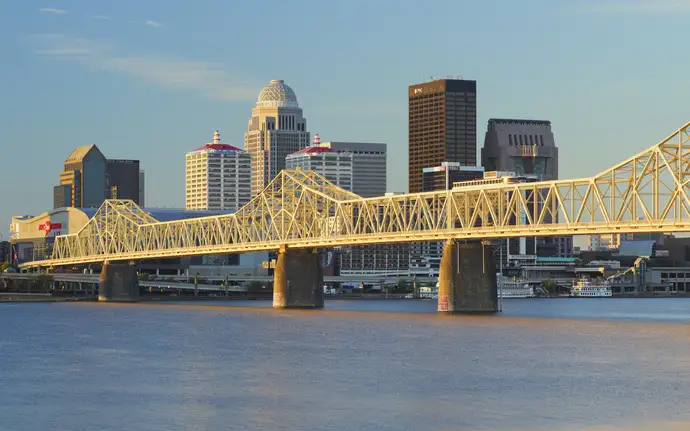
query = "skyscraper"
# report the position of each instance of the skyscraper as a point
(521, 146)
(276, 129)
(526, 147)
(442, 126)
(83, 180)
(122, 179)
(368, 166)
(335, 166)
(217, 177)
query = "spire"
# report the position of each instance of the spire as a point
(216, 137)
(317, 140)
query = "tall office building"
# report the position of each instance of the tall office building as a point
(368, 166)
(335, 166)
(442, 126)
(526, 147)
(276, 129)
(88, 178)
(83, 180)
(122, 179)
(217, 177)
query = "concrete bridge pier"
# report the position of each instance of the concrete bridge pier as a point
(298, 279)
(118, 283)
(467, 279)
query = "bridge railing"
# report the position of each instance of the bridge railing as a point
(646, 193)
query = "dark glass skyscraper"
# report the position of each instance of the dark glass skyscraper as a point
(442, 119)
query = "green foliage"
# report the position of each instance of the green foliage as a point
(4, 266)
(41, 284)
(549, 285)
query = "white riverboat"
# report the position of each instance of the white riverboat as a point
(514, 289)
(588, 289)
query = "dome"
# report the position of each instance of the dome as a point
(277, 95)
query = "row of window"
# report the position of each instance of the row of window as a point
(526, 140)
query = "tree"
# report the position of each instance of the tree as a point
(549, 285)
(4, 266)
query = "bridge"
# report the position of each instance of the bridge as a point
(300, 212)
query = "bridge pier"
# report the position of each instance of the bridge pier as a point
(118, 283)
(298, 279)
(467, 279)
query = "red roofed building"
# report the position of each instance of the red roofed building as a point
(335, 166)
(218, 177)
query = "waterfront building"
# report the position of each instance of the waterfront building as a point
(217, 177)
(32, 238)
(442, 121)
(525, 148)
(335, 166)
(276, 129)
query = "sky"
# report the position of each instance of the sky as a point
(152, 79)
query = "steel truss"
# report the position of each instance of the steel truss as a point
(646, 193)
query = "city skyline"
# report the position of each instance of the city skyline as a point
(86, 83)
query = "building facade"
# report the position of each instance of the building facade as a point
(335, 166)
(122, 179)
(276, 129)
(83, 179)
(442, 121)
(369, 166)
(521, 146)
(526, 148)
(217, 177)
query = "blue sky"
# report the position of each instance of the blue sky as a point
(151, 79)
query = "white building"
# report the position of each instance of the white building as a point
(368, 166)
(276, 129)
(218, 177)
(335, 166)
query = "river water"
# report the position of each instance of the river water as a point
(590, 364)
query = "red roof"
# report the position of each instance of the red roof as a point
(314, 150)
(210, 146)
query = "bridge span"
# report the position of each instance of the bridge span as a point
(300, 212)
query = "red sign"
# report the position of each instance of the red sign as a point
(48, 226)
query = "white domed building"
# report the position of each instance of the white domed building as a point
(277, 128)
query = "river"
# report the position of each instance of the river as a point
(589, 364)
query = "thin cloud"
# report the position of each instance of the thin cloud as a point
(208, 79)
(53, 11)
(640, 6)
(152, 23)
(101, 17)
